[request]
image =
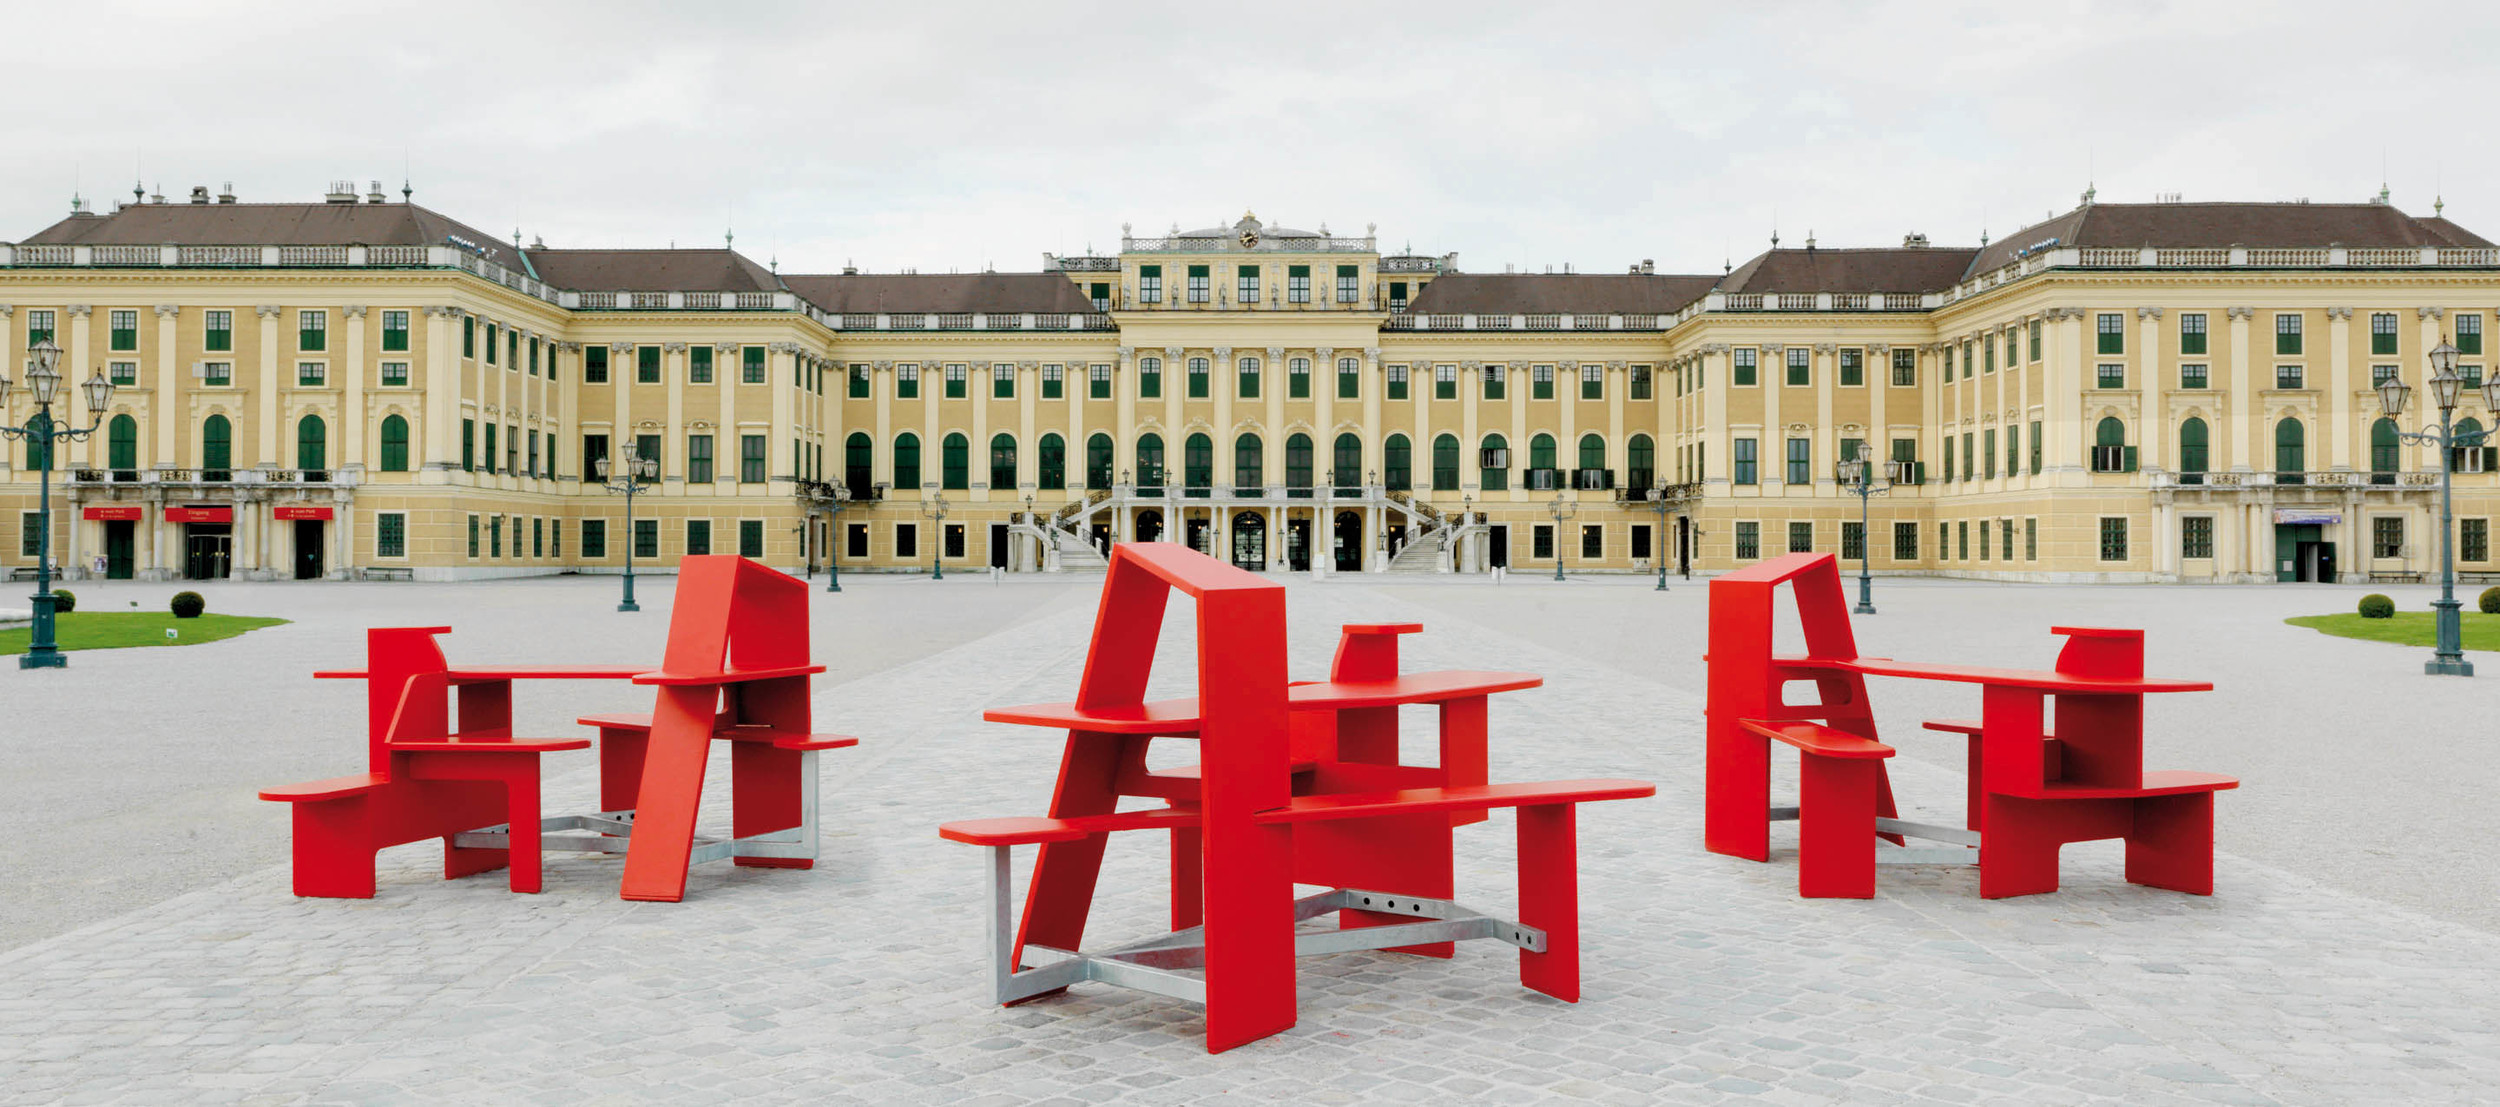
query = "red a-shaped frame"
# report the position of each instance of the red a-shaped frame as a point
(1241, 729)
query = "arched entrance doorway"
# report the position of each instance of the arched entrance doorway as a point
(1298, 543)
(1349, 542)
(1250, 541)
(1149, 526)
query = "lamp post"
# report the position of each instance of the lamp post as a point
(635, 469)
(2448, 657)
(934, 507)
(1658, 498)
(1562, 511)
(43, 382)
(1857, 478)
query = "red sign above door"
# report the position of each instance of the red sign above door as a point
(299, 512)
(199, 515)
(116, 514)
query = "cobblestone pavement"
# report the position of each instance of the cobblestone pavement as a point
(1708, 981)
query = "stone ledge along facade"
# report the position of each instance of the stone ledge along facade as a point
(364, 388)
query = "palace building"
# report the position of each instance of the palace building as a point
(364, 388)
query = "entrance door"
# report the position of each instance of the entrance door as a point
(308, 548)
(1349, 551)
(1250, 541)
(2295, 554)
(1684, 544)
(120, 544)
(1102, 538)
(1396, 535)
(1298, 544)
(1497, 547)
(208, 550)
(1149, 526)
(998, 545)
(1195, 531)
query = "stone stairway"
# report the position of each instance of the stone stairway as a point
(1421, 556)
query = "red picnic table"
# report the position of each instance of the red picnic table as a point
(734, 671)
(2031, 789)
(1297, 783)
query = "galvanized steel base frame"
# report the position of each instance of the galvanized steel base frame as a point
(1159, 964)
(1963, 851)
(610, 831)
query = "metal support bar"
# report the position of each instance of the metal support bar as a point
(1927, 855)
(1929, 831)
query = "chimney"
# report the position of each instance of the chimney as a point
(199, 194)
(1648, 266)
(341, 192)
(1914, 241)
(850, 270)
(374, 194)
(226, 197)
(157, 197)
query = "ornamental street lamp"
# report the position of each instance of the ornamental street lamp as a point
(2448, 657)
(636, 470)
(1562, 510)
(1857, 478)
(1658, 500)
(43, 382)
(934, 507)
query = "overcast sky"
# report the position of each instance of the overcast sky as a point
(942, 137)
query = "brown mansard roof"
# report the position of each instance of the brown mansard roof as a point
(941, 293)
(2178, 226)
(188, 224)
(1883, 269)
(1559, 293)
(696, 270)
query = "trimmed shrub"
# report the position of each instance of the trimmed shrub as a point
(188, 605)
(2375, 606)
(64, 601)
(2490, 602)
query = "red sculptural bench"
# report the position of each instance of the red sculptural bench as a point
(2029, 792)
(1297, 783)
(735, 670)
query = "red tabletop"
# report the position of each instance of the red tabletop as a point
(468, 674)
(1176, 717)
(2036, 679)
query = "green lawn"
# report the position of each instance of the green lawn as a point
(2408, 628)
(113, 630)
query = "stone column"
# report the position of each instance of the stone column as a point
(2336, 452)
(1124, 413)
(621, 376)
(1772, 455)
(728, 377)
(781, 381)
(568, 415)
(1272, 384)
(2243, 414)
(1878, 395)
(1028, 446)
(1175, 432)
(442, 395)
(978, 388)
(352, 423)
(268, 454)
(881, 450)
(1826, 425)
(673, 436)
(167, 416)
(2149, 436)
(1470, 434)
(1221, 387)
(1618, 399)
(74, 367)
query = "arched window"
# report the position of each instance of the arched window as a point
(859, 463)
(2109, 446)
(2109, 432)
(1054, 463)
(2465, 457)
(312, 443)
(1098, 461)
(1198, 464)
(1540, 451)
(1003, 462)
(1640, 463)
(1347, 462)
(1247, 461)
(1397, 464)
(122, 443)
(1150, 461)
(1445, 463)
(1494, 463)
(1298, 465)
(955, 462)
(394, 444)
(217, 447)
(2289, 456)
(2386, 454)
(2193, 441)
(907, 462)
(1592, 451)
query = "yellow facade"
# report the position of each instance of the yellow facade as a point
(1292, 400)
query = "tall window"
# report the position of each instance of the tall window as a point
(1052, 460)
(1246, 285)
(122, 443)
(1054, 384)
(2109, 446)
(956, 388)
(1003, 380)
(1345, 463)
(1640, 462)
(2288, 448)
(1445, 463)
(2191, 333)
(1149, 377)
(1905, 368)
(2035, 341)
(1494, 463)
(2196, 536)
(1744, 371)
(1592, 382)
(2469, 333)
(125, 329)
(2387, 536)
(595, 363)
(955, 462)
(1800, 461)
(1445, 382)
(1349, 284)
(858, 382)
(1150, 284)
(394, 331)
(216, 447)
(2113, 539)
(646, 364)
(1150, 461)
(1493, 381)
(1592, 451)
(1298, 378)
(1801, 537)
(906, 462)
(2385, 453)
(1852, 367)
(1198, 378)
(2287, 333)
(699, 364)
(1297, 284)
(1541, 452)
(906, 382)
(1098, 461)
(217, 333)
(1397, 382)
(1800, 367)
(1640, 382)
(1198, 290)
(698, 537)
(1298, 464)
(1098, 386)
(1003, 461)
(1349, 378)
(1198, 462)
(1905, 541)
(750, 538)
(699, 458)
(1743, 461)
(312, 331)
(2474, 539)
(311, 443)
(754, 365)
(2192, 446)
(1248, 369)
(2035, 447)
(1541, 382)
(2111, 328)
(1249, 461)
(394, 444)
(1748, 541)
(1396, 463)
